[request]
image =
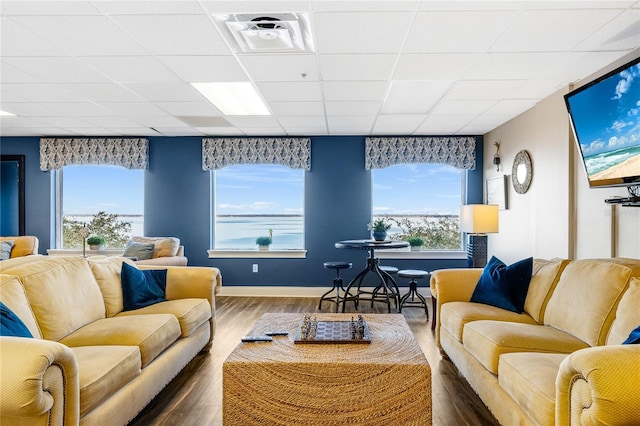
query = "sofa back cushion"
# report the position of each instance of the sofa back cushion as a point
(23, 245)
(13, 295)
(584, 301)
(627, 314)
(62, 292)
(544, 278)
(164, 246)
(107, 273)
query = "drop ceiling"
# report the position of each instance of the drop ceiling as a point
(124, 68)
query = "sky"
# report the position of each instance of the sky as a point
(607, 114)
(266, 189)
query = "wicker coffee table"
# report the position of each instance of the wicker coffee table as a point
(386, 382)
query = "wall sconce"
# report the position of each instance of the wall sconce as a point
(496, 156)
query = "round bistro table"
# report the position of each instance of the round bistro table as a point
(385, 285)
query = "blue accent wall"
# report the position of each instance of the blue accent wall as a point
(177, 203)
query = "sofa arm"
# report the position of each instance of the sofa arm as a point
(599, 385)
(454, 285)
(39, 380)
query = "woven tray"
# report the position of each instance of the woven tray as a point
(334, 332)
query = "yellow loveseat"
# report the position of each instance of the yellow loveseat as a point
(89, 362)
(24, 245)
(561, 361)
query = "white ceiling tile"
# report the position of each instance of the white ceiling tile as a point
(174, 34)
(132, 69)
(442, 124)
(345, 121)
(362, 6)
(148, 7)
(358, 32)
(252, 121)
(166, 92)
(220, 131)
(189, 108)
(91, 131)
(20, 122)
(457, 31)
(82, 35)
(35, 131)
(511, 107)
(524, 32)
(357, 67)
(133, 131)
(306, 131)
(352, 108)
(570, 67)
(297, 108)
(483, 89)
(280, 67)
(463, 107)
(157, 121)
(178, 131)
(510, 66)
(41, 92)
(66, 122)
(45, 7)
(18, 41)
(204, 69)
(622, 33)
(354, 90)
(262, 131)
(237, 6)
(532, 89)
(290, 91)
(111, 122)
(397, 124)
(100, 92)
(407, 97)
(11, 74)
(134, 108)
(299, 121)
(434, 66)
(78, 109)
(57, 69)
(32, 109)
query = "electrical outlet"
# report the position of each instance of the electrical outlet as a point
(255, 267)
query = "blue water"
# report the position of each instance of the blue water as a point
(599, 162)
(240, 232)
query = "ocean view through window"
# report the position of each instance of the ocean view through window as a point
(420, 200)
(254, 200)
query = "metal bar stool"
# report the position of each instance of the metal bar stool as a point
(387, 273)
(337, 284)
(413, 275)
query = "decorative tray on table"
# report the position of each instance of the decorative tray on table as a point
(311, 330)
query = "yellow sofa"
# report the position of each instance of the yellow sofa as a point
(89, 362)
(561, 361)
(24, 245)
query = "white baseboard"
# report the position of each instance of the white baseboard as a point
(286, 291)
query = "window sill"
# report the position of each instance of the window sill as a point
(424, 254)
(256, 254)
(78, 252)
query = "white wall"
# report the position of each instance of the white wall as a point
(560, 216)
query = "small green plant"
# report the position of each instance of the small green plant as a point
(415, 241)
(379, 225)
(264, 241)
(96, 240)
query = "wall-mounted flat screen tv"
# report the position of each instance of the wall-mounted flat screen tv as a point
(605, 116)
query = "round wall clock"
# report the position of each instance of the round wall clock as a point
(521, 172)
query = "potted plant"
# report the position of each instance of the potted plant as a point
(415, 243)
(96, 242)
(263, 243)
(379, 229)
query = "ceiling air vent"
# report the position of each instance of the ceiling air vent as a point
(275, 32)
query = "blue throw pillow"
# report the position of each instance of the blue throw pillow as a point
(11, 325)
(142, 288)
(504, 286)
(634, 337)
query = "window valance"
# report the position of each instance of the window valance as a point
(458, 152)
(221, 152)
(131, 153)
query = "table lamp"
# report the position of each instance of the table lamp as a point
(478, 220)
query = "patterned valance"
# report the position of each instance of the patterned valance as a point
(131, 153)
(458, 152)
(221, 152)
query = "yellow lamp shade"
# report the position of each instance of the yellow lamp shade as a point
(479, 218)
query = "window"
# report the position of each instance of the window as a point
(108, 200)
(421, 200)
(258, 200)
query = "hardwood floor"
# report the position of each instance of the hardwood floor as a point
(194, 397)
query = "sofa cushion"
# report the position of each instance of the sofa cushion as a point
(627, 314)
(587, 314)
(12, 294)
(151, 333)
(164, 246)
(138, 251)
(544, 278)
(142, 288)
(504, 286)
(103, 371)
(107, 273)
(487, 340)
(530, 378)
(62, 293)
(454, 316)
(191, 313)
(11, 324)
(23, 245)
(5, 249)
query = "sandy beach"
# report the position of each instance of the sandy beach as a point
(629, 167)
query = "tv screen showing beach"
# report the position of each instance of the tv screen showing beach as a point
(606, 119)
